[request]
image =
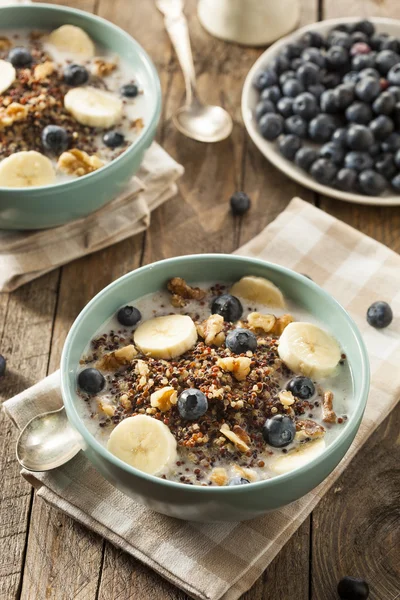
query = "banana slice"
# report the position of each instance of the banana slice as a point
(258, 289)
(72, 40)
(309, 350)
(299, 457)
(93, 107)
(144, 443)
(26, 169)
(7, 75)
(166, 337)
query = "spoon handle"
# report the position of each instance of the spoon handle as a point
(178, 31)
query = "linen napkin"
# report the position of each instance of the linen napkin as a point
(26, 255)
(222, 561)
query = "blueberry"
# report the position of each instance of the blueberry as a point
(91, 381)
(391, 143)
(306, 106)
(377, 40)
(329, 101)
(285, 107)
(337, 57)
(340, 137)
(285, 76)
(330, 80)
(279, 431)
(316, 89)
(75, 75)
(293, 50)
(55, 139)
(308, 74)
(362, 61)
(113, 139)
(192, 404)
(228, 306)
(20, 57)
(333, 152)
(395, 91)
(295, 64)
(371, 182)
(370, 72)
(129, 90)
(390, 43)
(375, 149)
(359, 161)
(264, 107)
(359, 137)
(396, 182)
(305, 157)
(265, 79)
(292, 88)
(312, 38)
(339, 38)
(240, 203)
(393, 76)
(324, 171)
(3, 363)
(271, 126)
(321, 128)
(346, 179)
(384, 103)
(385, 60)
(296, 125)
(368, 88)
(351, 77)
(352, 588)
(382, 126)
(344, 95)
(313, 55)
(365, 26)
(397, 159)
(301, 387)
(241, 340)
(359, 112)
(238, 481)
(385, 166)
(272, 93)
(346, 27)
(289, 145)
(279, 64)
(396, 116)
(128, 316)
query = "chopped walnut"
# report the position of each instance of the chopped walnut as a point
(237, 436)
(141, 367)
(328, 414)
(118, 358)
(239, 367)
(14, 112)
(212, 330)
(106, 408)
(125, 402)
(164, 398)
(286, 398)
(281, 323)
(308, 429)
(77, 162)
(102, 68)
(181, 291)
(259, 321)
(137, 124)
(219, 476)
(43, 70)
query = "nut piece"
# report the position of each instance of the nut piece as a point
(106, 408)
(308, 430)
(249, 474)
(281, 323)
(14, 112)
(118, 358)
(212, 330)
(219, 476)
(328, 414)
(164, 398)
(125, 402)
(77, 162)
(286, 398)
(259, 321)
(238, 436)
(181, 291)
(239, 367)
(43, 70)
(102, 68)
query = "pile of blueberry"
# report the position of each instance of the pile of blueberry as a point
(342, 93)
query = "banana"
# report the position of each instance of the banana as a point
(144, 443)
(72, 40)
(298, 457)
(258, 289)
(166, 337)
(93, 107)
(26, 169)
(7, 75)
(307, 349)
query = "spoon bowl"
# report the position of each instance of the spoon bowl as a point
(203, 123)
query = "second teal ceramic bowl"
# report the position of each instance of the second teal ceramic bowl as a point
(52, 205)
(213, 503)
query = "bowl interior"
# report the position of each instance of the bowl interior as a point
(197, 268)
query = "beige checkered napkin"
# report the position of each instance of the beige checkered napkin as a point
(27, 255)
(213, 561)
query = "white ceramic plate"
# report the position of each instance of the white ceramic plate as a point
(270, 150)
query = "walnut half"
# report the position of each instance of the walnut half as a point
(181, 291)
(239, 367)
(211, 330)
(77, 162)
(164, 399)
(307, 429)
(14, 112)
(116, 359)
(328, 414)
(237, 436)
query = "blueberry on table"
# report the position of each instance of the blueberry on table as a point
(346, 179)
(113, 139)
(321, 128)
(353, 588)
(192, 404)
(296, 125)
(265, 79)
(75, 75)
(20, 57)
(305, 157)
(128, 316)
(382, 126)
(240, 203)
(384, 103)
(263, 107)
(372, 183)
(279, 431)
(333, 152)
(129, 90)
(271, 126)
(241, 340)
(359, 137)
(301, 387)
(228, 307)
(289, 145)
(368, 88)
(238, 481)
(365, 26)
(54, 139)
(91, 381)
(272, 93)
(308, 74)
(2, 365)
(379, 314)
(285, 107)
(306, 106)
(393, 75)
(385, 60)
(324, 171)
(359, 112)
(359, 161)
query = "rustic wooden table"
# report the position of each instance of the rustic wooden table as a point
(355, 529)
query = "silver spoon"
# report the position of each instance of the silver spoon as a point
(47, 441)
(196, 120)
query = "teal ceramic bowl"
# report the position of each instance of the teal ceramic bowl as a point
(215, 503)
(52, 205)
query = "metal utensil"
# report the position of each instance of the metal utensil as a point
(47, 441)
(199, 121)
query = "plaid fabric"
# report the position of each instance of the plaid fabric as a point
(213, 561)
(29, 254)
